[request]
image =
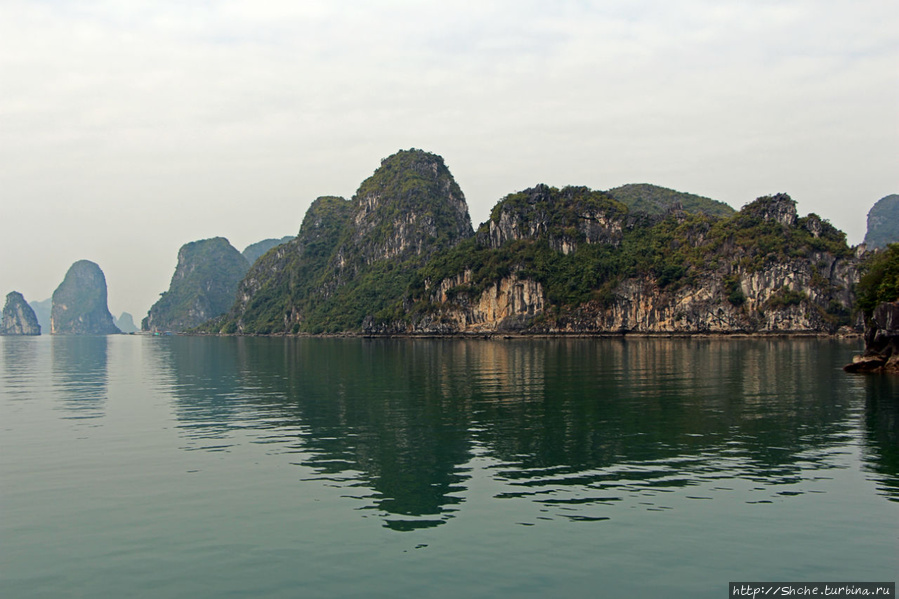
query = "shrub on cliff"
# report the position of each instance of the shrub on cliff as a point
(880, 281)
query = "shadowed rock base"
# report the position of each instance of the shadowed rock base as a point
(881, 342)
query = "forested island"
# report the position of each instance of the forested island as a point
(402, 258)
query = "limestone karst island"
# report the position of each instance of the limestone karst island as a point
(401, 258)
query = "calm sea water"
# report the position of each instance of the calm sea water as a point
(225, 467)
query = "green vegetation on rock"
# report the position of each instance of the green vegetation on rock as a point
(528, 233)
(354, 259)
(673, 251)
(401, 256)
(880, 280)
(290, 276)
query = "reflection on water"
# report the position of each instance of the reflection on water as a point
(20, 361)
(79, 366)
(882, 431)
(206, 380)
(574, 427)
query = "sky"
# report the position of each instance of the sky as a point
(129, 128)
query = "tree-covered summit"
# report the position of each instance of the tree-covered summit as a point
(354, 258)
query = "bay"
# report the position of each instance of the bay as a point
(282, 467)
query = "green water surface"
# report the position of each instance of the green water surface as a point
(134, 466)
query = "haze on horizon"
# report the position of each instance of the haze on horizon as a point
(129, 129)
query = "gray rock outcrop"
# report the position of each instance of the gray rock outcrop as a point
(18, 317)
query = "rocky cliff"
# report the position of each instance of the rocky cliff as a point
(203, 286)
(572, 261)
(354, 258)
(79, 303)
(883, 223)
(18, 317)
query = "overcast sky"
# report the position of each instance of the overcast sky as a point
(130, 128)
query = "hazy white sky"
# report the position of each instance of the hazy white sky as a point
(130, 128)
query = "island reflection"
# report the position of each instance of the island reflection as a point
(80, 374)
(563, 422)
(882, 432)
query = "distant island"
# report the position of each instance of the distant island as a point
(254, 251)
(883, 223)
(79, 303)
(125, 323)
(18, 318)
(202, 287)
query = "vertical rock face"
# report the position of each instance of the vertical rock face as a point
(203, 286)
(507, 305)
(79, 303)
(18, 317)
